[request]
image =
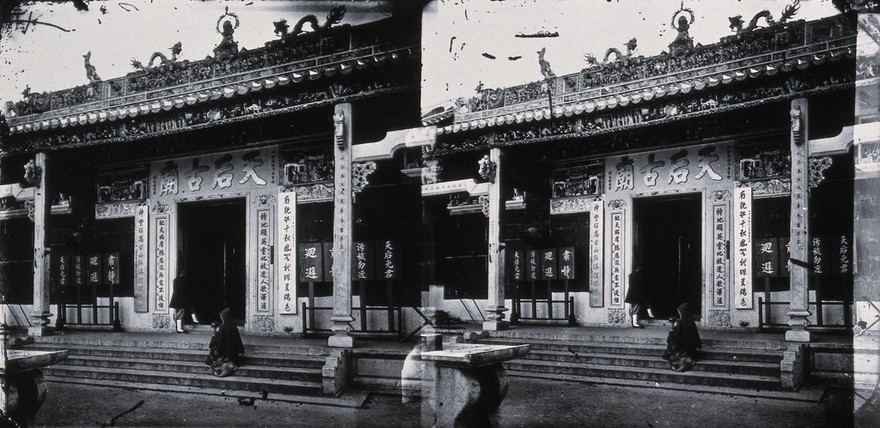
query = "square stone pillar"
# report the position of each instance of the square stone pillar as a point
(42, 205)
(799, 243)
(495, 309)
(342, 229)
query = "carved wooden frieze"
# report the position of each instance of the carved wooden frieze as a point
(116, 209)
(571, 205)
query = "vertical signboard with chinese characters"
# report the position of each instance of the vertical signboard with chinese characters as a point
(719, 255)
(286, 250)
(597, 233)
(819, 255)
(533, 267)
(767, 257)
(77, 264)
(566, 264)
(362, 265)
(141, 237)
(264, 261)
(311, 262)
(162, 264)
(111, 268)
(742, 255)
(516, 263)
(389, 259)
(841, 256)
(617, 262)
(93, 270)
(62, 275)
(548, 263)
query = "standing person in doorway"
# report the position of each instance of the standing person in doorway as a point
(181, 301)
(637, 295)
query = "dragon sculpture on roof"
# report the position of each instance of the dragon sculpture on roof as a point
(333, 17)
(163, 60)
(736, 22)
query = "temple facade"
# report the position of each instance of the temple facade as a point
(725, 172)
(222, 169)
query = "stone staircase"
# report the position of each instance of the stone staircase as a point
(627, 359)
(177, 365)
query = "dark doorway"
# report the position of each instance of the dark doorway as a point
(667, 244)
(213, 254)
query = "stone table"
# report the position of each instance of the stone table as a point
(465, 383)
(24, 387)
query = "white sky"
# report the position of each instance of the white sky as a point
(47, 59)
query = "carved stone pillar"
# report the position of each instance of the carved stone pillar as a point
(495, 309)
(342, 229)
(799, 243)
(42, 203)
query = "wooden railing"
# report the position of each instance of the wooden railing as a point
(765, 315)
(93, 321)
(532, 315)
(393, 327)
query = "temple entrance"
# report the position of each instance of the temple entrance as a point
(667, 244)
(212, 239)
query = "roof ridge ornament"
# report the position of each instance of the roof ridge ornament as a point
(545, 66)
(790, 10)
(333, 17)
(682, 20)
(226, 26)
(91, 73)
(163, 60)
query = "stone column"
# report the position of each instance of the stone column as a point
(42, 203)
(799, 243)
(495, 309)
(342, 229)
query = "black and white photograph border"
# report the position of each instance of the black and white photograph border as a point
(450, 213)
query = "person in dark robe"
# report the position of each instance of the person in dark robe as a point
(225, 349)
(637, 295)
(683, 341)
(181, 301)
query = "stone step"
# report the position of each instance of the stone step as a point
(648, 336)
(693, 377)
(586, 347)
(196, 341)
(191, 355)
(193, 367)
(200, 380)
(654, 362)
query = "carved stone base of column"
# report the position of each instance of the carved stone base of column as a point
(798, 322)
(340, 328)
(495, 325)
(495, 319)
(40, 330)
(40, 324)
(797, 335)
(465, 397)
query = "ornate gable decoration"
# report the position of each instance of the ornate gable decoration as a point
(166, 84)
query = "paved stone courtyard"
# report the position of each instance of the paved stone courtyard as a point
(529, 403)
